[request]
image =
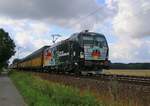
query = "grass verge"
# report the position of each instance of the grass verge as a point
(38, 92)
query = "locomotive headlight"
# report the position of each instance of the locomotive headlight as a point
(81, 55)
(76, 63)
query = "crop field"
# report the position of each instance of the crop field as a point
(131, 72)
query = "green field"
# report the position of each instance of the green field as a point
(145, 73)
(38, 92)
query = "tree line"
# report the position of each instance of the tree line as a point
(7, 48)
(129, 65)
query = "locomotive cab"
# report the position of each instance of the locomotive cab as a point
(92, 50)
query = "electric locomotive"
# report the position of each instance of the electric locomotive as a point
(82, 52)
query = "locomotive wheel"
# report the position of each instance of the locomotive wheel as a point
(77, 71)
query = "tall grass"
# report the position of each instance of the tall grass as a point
(38, 92)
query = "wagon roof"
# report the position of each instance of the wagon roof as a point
(35, 53)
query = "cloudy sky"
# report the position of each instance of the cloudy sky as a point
(125, 23)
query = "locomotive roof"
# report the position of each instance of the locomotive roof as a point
(35, 53)
(75, 34)
(81, 33)
(91, 33)
(60, 42)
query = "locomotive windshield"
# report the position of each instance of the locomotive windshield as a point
(94, 40)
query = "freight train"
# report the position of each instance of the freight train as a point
(81, 52)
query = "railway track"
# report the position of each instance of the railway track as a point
(105, 77)
(123, 78)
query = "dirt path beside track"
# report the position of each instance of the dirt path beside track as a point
(9, 95)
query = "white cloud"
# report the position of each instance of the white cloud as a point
(132, 18)
(40, 43)
(39, 28)
(28, 35)
(23, 38)
(131, 26)
(129, 50)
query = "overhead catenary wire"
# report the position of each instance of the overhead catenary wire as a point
(82, 19)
